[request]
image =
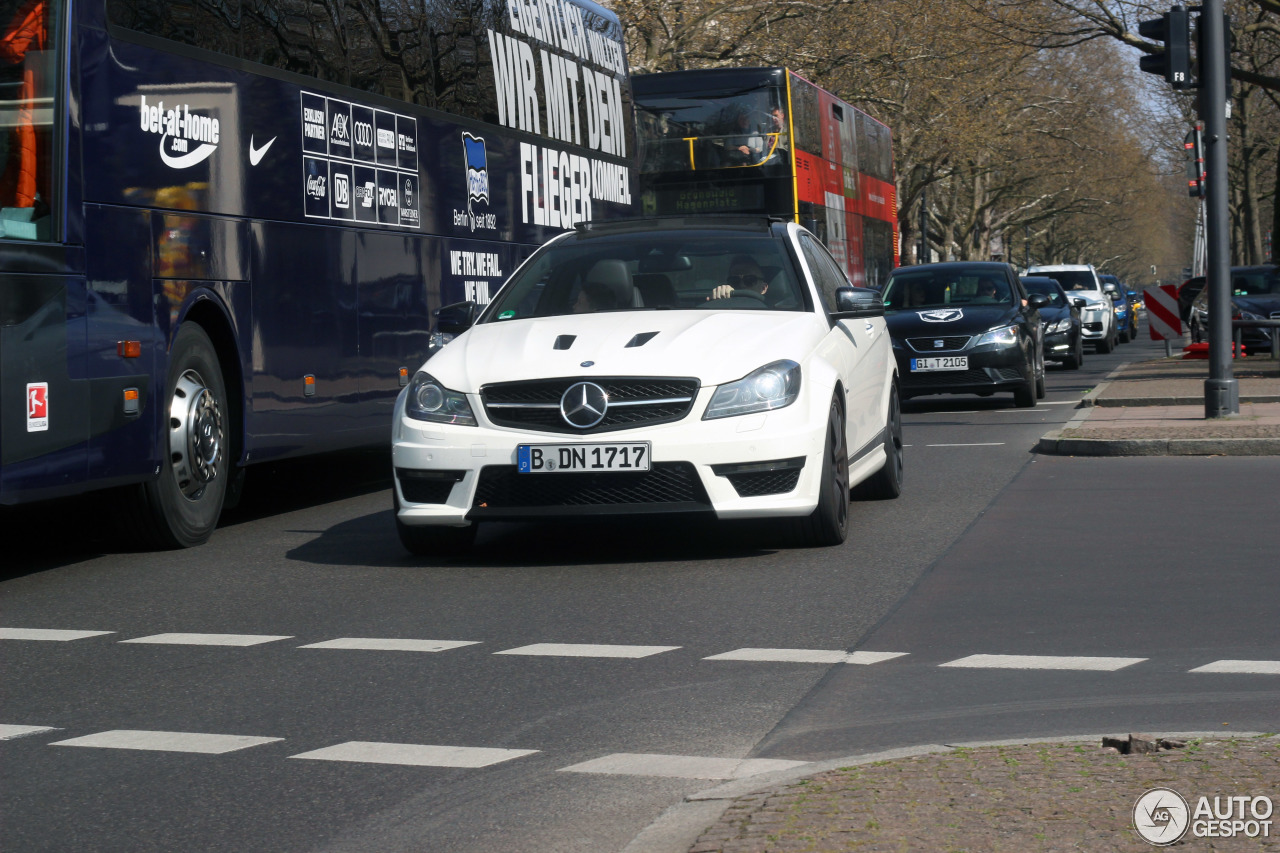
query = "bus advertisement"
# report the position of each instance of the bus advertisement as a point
(224, 225)
(765, 140)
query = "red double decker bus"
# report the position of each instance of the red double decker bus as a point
(765, 140)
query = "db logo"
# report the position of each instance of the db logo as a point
(341, 190)
(37, 406)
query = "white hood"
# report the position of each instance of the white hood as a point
(713, 346)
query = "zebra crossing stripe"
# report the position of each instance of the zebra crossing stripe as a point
(391, 644)
(1252, 667)
(207, 639)
(48, 634)
(1043, 662)
(207, 744)
(806, 656)
(584, 650)
(680, 766)
(15, 732)
(414, 754)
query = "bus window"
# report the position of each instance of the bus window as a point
(28, 90)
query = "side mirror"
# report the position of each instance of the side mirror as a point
(456, 318)
(1037, 300)
(1080, 303)
(853, 302)
(1108, 288)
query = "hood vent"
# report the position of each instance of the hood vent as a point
(641, 339)
(565, 341)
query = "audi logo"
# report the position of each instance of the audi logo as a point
(364, 133)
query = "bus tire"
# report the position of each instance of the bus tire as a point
(180, 507)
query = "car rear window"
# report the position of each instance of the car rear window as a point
(1071, 279)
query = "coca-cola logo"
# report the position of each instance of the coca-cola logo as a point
(316, 186)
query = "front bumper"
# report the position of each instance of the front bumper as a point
(1059, 345)
(1096, 323)
(455, 475)
(990, 370)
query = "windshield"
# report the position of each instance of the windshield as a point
(1255, 283)
(1056, 297)
(711, 130)
(1071, 279)
(927, 288)
(709, 270)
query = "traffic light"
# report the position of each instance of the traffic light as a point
(1195, 163)
(1173, 28)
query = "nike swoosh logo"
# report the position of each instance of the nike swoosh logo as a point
(256, 154)
(186, 160)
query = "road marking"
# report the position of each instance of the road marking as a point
(391, 645)
(806, 656)
(1256, 667)
(975, 444)
(1055, 403)
(167, 741)
(208, 639)
(14, 732)
(418, 755)
(47, 634)
(1042, 662)
(681, 766)
(584, 650)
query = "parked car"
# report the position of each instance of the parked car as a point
(1098, 314)
(715, 366)
(1059, 321)
(1255, 295)
(1187, 293)
(965, 328)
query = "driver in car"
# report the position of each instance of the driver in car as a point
(746, 285)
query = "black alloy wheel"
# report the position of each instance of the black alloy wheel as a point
(886, 484)
(828, 524)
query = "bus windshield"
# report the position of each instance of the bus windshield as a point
(711, 129)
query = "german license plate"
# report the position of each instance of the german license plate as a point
(943, 362)
(577, 458)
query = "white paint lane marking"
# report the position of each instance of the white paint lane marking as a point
(975, 444)
(47, 634)
(583, 650)
(1059, 403)
(208, 639)
(805, 656)
(167, 741)
(1254, 667)
(1043, 662)
(418, 755)
(391, 644)
(14, 732)
(681, 766)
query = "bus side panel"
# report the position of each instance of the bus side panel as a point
(304, 324)
(394, 322)
(43, 398)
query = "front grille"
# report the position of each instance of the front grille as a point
(1093, 327)
(672, 485)
(633, 402)
(764, 482)
(1275, 315)
(950, 343)
(427, 487)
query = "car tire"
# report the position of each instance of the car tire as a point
(886, 484)
(433, 540)
(180, 507)
(1073, 361)
(828, 524)
(1105, 345)
(1024, 397)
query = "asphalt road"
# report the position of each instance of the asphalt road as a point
(990, 550)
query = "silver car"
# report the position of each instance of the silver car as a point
(1097, 318)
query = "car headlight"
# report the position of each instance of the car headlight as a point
(1005, 336)
(1062, 325)
(771, 387)
(1097, 306)
(1249, 315)
(428, 400)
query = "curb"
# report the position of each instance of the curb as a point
(1091, 399)
(679, 827)
(1053, 444)
(1118, 402)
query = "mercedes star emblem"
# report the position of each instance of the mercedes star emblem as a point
(584, 404)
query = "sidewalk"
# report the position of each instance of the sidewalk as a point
(1049, 796)
(1156, 408)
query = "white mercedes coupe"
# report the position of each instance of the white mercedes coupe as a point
(722, 366)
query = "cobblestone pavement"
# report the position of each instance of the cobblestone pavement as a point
(1036, 797)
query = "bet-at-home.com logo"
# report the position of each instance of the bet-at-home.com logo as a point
(186, 138)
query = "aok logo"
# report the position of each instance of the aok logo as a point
(341, 191)
(388, 197)
(316, 186)
(364, 133)
(186, 138)
(340, 131)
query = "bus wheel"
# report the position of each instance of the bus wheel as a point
(180, 508)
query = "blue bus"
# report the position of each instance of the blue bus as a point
(224, 224)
